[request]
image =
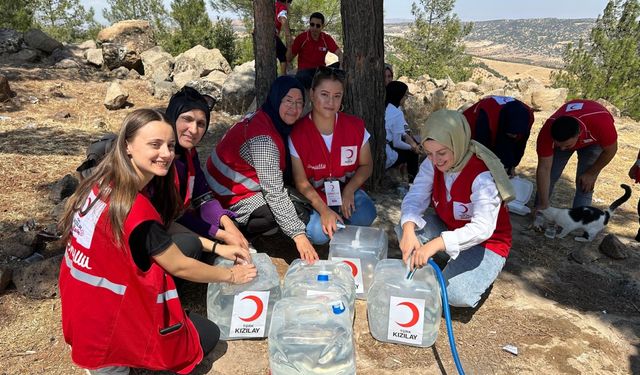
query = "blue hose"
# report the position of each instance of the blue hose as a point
(447, 316)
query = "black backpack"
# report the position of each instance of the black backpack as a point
(95, 153)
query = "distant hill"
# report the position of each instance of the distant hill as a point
(538, 41)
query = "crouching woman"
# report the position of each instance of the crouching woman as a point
(120, 307)
(467, 186)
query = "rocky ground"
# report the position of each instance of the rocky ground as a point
(568, 308)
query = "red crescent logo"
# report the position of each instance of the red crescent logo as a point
(259, 309)
(349, 153)
(354, 269)
(465, 209)
(414, 312)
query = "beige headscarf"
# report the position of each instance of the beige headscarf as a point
(451, 129)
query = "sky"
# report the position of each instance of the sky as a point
(468, 10)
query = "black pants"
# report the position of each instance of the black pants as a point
(409, 157)
(207, 330)
(262, 220)
(281, 50)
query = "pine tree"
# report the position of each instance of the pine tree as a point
(17, 14)
(607, 65)
(193, 26)
(66, 20)
(433, 44)
(150, 10)
(224, 39)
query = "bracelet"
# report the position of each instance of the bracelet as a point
(215, 244)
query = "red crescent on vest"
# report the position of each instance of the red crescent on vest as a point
(350, 153)
(414, 312)
(354, 269)
(259, 309)
(465, 209)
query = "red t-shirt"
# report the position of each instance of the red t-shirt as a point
(311, 53)
(596, 126)
(281, 11)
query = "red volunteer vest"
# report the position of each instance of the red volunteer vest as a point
(492, 105)
(230, 177)
(320, 164)
(592, 117)
(280, 7)
(112, 312)
(458, 212)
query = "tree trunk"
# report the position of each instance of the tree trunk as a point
(362, 24)
(264, 47)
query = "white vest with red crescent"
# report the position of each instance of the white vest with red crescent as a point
(460, 203)
(112, 312)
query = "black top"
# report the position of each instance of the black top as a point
(148, 239)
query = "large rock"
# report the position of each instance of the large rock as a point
(467, 86)
(39, 279)
(116, 96)
(491, 83)
(158, 64)
(26, 55)
(206, 87)
(5, 277)
(181, 79)
(548, 99)
(615, 112)
(457, 99)
(612, 247)
(10, 41)
(39, 40)
(201, 61)
(5, 90)
(87, 44)
(63, 188)
(94, 56)
(123, 42)
(163, 89)
(67, 64)
(239, 89)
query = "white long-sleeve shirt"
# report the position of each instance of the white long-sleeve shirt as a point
(485, 201)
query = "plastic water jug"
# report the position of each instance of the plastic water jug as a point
(244, 311)
(311, 335)
(523, 189)
(401, 310)
(324, 277)
(361, 248)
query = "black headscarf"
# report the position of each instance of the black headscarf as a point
(279, 89)
(395, 92)
(515, 118)
(185, 100)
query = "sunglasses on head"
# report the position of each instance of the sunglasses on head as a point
(329, 71)
(193, 94)
(316, 25)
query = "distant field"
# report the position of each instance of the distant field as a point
(516, 70)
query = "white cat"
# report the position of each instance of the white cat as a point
(590, 219)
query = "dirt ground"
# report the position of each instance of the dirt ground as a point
(564, 317)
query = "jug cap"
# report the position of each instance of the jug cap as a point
(323, 276)
(338, 307)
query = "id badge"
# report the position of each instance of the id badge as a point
(332, 190)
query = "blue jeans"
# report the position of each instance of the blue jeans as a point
(587, 156)
(470, 274)
(363, 215)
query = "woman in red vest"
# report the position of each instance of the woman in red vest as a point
(331, 160)
(250, 168)
(120, 307)
(190, 112)
(467, 186)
